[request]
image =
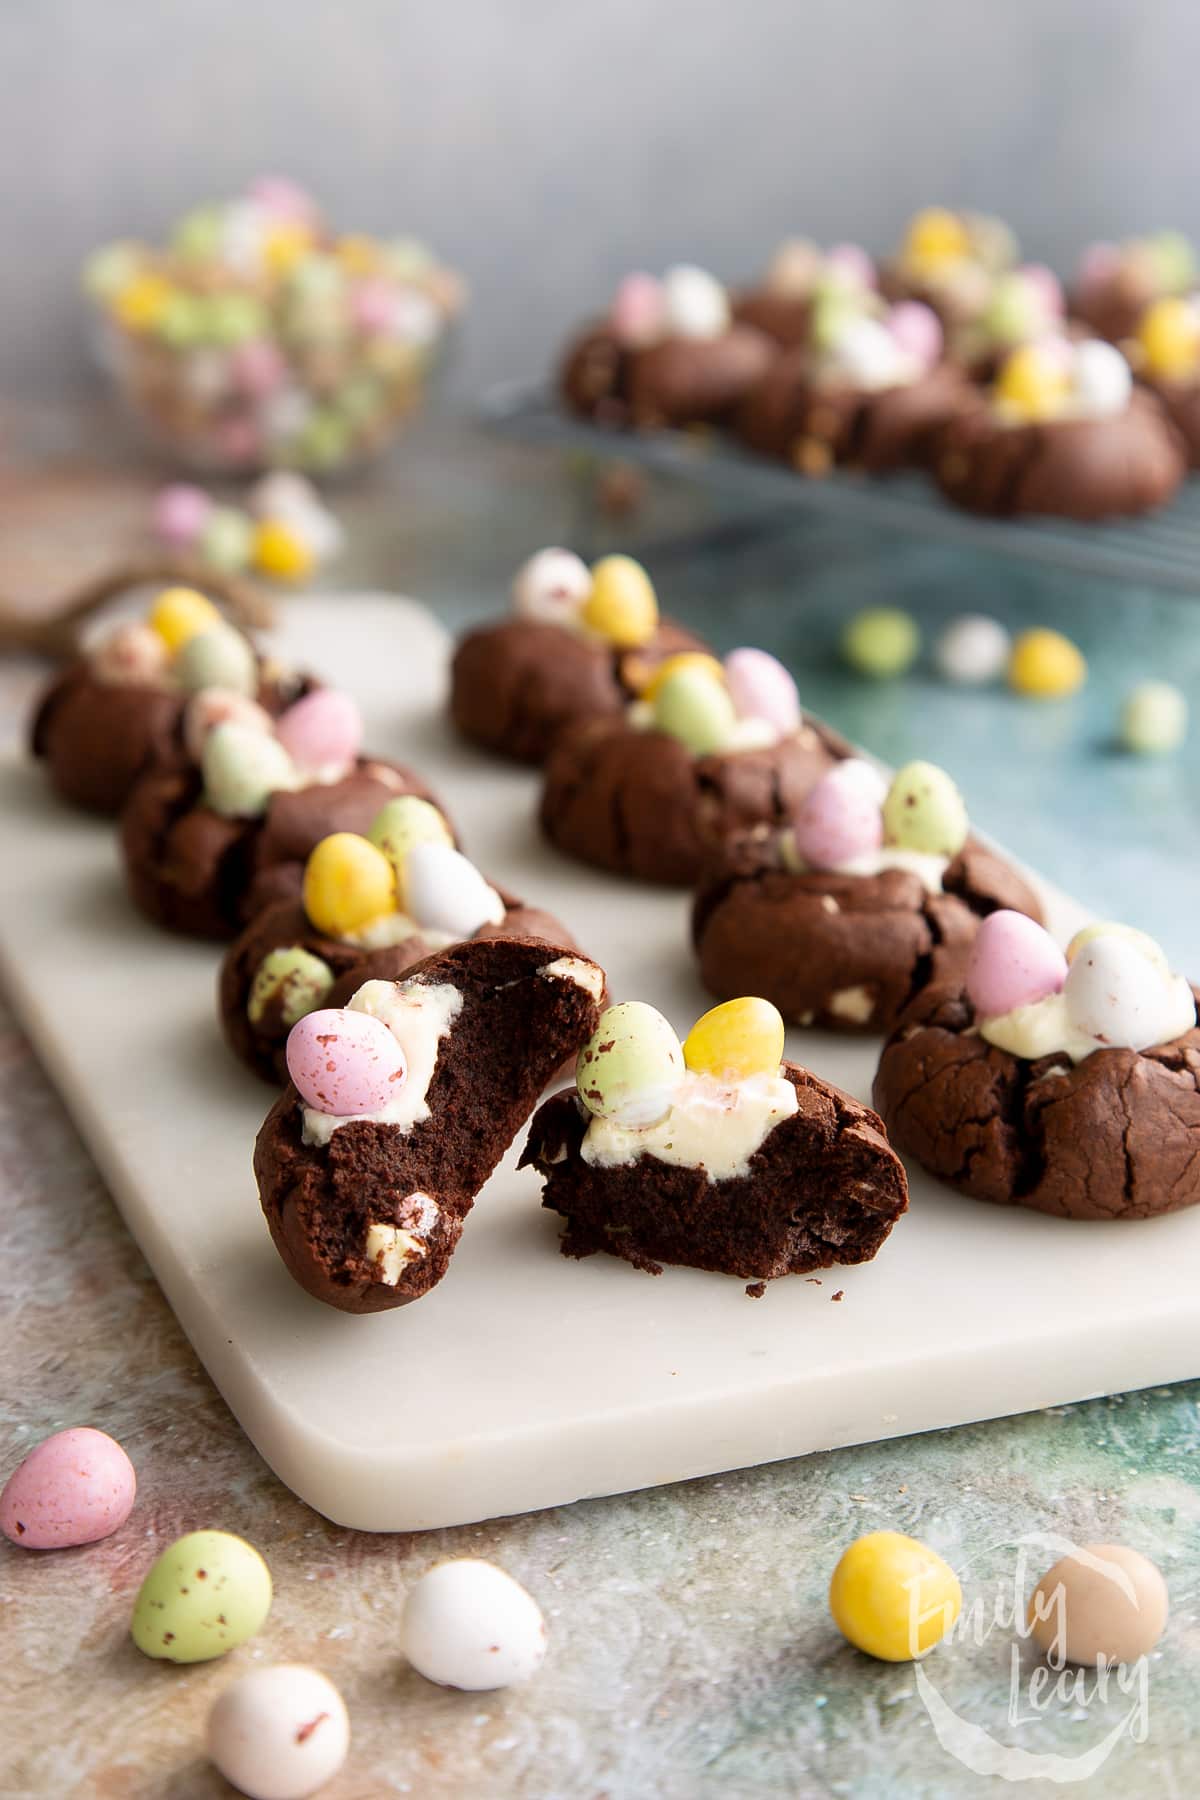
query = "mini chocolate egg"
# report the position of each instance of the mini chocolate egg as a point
(972, 650)
(839, 818)
(881, 641)
(282, 494)
(467, 1624)
(622, 607)
(404, 821)
(736, 1040)
(925, 811)
(1114, 993)
(671, 665)
(242, 768)
(280, 550)
(630, 1069)
(1169, 335)
(227, 540)
(1154, 718)
(866, 354)
(1013, 962)
(1174, 260)
(217, 658)
(345, 1062)
(638, 314)
(348, 882)
(1102, 379)
(851, 265)
(552, 588)
(290, 979)
(443, 891)
(278, 1733)
(215, 706)
(865, 778)
(131, 655)
(1100, 1600)
(180, 514)
(1034, 382)
(695, 304)
(761, 688)
(1103, 928)
(206, 1594)
(917, 331)
(179, 613)
(936, 235)
(73, 1488)
(693, 707)
(1046, 665)
(321, 731)
(893, 1597)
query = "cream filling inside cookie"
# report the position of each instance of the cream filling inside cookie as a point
(419, 1016)
(746, 734)
(710, 1126)
(588, 976)
(1044, 1028)
(928, 868)
(393, 928)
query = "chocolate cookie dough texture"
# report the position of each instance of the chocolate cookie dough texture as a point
(580, 644)
(714, 1153)
(869, 895)
(709, 750)
(668, 353)
(1069, 1084)
(207, 847)
(1115, 283)
(1062, 431)
(371, 908)
(122, 708)
(400, 1107)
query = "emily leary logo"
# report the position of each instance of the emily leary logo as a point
(1039, 1689)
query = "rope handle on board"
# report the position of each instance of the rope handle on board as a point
(59, 636)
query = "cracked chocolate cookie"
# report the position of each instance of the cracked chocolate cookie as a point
(401, 1106)
(1116, 283)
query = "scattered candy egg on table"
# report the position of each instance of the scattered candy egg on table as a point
(132, 653)
(925, 811)
(638, 314)
(219, 657)
(348, 882)
(552, 587)
(278, 1733)
(442, 890)
(75, 1487)
(280, 550)
(1045, 665)
(839, 818)
(1101, 378)
(206, 1594)
(242, 768)
(404, 821)
(761, 688)
(345, 1062)
(622, 607)
(1154, 718)
(1013, 962)
(293, 980)
(322, 731)
(972, 649)
(630, 1069)
(227, 540)
(695, 303)
(217, 706)
(893, 1597)
(179, 613)
(1169, 336)
(736, 1040)
(468, 1624)
(881, 641)
(1112, 992)
(671, 665)
(1099, 1601)
(180, 514)
(697, 709)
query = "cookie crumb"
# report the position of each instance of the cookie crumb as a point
(756, 1289)
(840, 1295)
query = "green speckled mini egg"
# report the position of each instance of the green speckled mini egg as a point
(219, 657)
(630, 1069)
(925, 811)
(293, 976)
(404, 821)
(695, 707)
(205, 1595)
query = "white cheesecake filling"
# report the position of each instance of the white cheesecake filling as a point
(709, 1126)
(928, 868)
(1044, 1028)
(419, 1016)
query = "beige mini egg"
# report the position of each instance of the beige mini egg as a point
(1101, 1600)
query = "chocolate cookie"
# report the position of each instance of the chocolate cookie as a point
(1077, 468)
(680, 381)
(1116, 1136)
(515, 686)
(521, 1016)
(260, 1042)
(641, 804)
(194, 871)
(842, 952)
(816, 425)
(823, 1188)
(1181, 402)
(786, 318)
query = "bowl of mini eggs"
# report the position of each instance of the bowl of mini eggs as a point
(258, 337)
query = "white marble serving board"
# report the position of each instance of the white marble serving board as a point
(526, 1380)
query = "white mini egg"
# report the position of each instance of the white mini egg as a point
(552, 588)
(865, 778)
(469, 1625)
(972, 650)
(867, 354)
(1102, 379)
(443, 891)
(697, 306)
(1115, 993)
(279, 1733)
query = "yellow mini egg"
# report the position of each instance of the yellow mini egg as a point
(347, 883)
(1046, 665)
(284, 245)
(179, 614)
(1169, 335)
(1032, 383)
(893, 1597)
(683, 659)
(936, 235)
(358, 254)
(735, 1040)
(141, 303)
(622, 606)
(281, 552)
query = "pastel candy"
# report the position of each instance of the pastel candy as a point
(839, 818)
(292, 979)
(1098, 265)
(204, 1596)
(440, 889)
(696, 709)
(180, 513)
(881, 641)
(671, 665)
(1103, 380)
(851, 264)
(218, 658)
(179, 613)
(278, 1733)
(972, 649)
(242, 768)
(344, 1062)
(630, 1070)
(322, 731)
(280, 549)
(622, 607)
(217, 706)
(404, 821)
(348, 882)
(283, 494)
(1105, 928)
(258, 367)
(227, 537)
(638, 314)
(925, 811)
(73, 1488)
(551, 588)
(866, 354)
(132, 654)
(865, 778)
(761, 688)
(917, 331)
(736, 1040)
(697, 306)
(1034, 382)
(1047, 287)
(1013, 962)
(1114, 992)
(1154, 718)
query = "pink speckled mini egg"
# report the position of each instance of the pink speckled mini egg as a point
(74, 1488)
(345, 1062)
(761, 688)
(1013, 962)
(324, 730)
(840, 819)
